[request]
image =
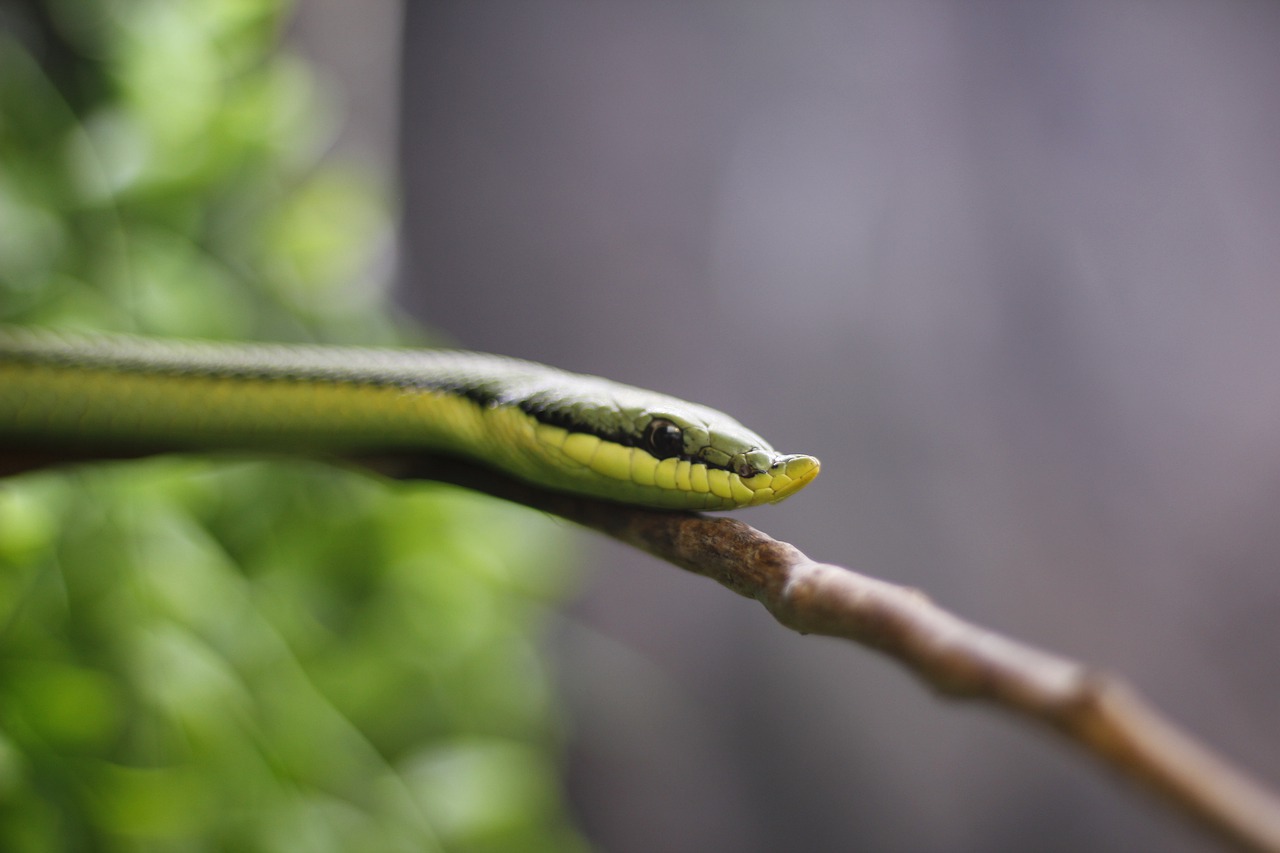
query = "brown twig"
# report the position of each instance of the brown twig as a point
(1093, 709)
(1096, 710)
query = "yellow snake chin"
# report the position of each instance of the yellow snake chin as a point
(784, 479)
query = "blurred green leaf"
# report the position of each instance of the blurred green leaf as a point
(201, 654)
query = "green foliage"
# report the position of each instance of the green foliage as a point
(234, 654)
(159, 173)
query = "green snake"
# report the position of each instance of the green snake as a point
(560, 430)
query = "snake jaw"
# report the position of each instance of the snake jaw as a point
(786, 476)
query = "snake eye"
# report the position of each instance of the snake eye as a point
(745, 469)
(663, 439)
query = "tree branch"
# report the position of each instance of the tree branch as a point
(1093, 709)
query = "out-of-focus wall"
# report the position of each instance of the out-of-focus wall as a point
(1010, 269)
(357, 46)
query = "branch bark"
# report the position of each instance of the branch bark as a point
(1097, 711)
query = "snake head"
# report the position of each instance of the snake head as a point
(738, 467)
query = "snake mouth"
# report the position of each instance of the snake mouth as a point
(787, 475)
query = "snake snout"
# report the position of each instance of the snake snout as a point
(792, 473)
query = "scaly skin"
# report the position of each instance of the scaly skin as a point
(552, 428)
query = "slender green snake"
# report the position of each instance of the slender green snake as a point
(560, 430)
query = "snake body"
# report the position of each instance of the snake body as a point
(556, 429)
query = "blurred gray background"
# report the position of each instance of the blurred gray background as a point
(1009, 269)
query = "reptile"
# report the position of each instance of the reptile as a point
(125, 394)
